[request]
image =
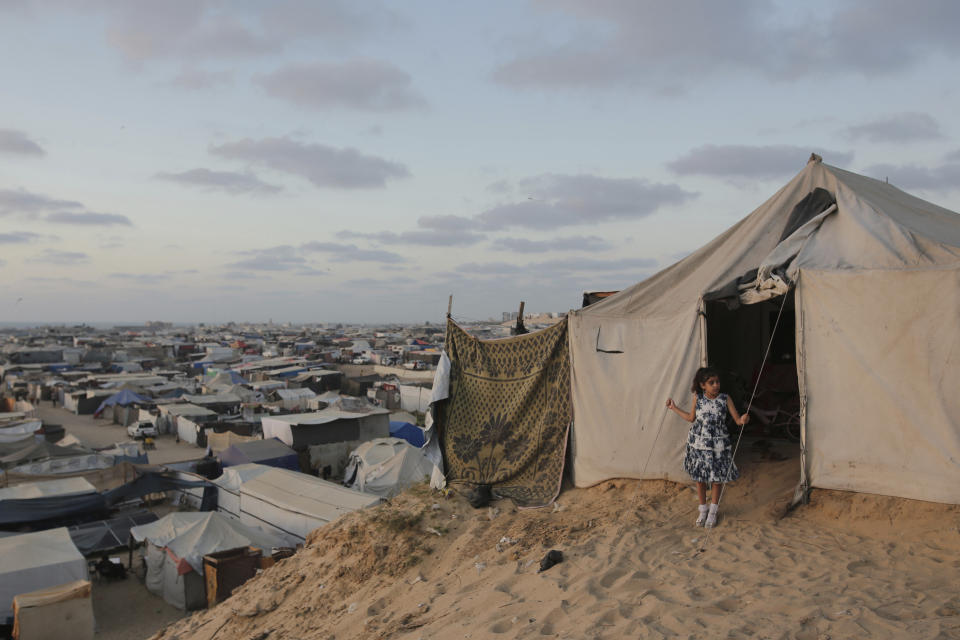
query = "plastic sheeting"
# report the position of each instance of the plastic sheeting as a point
(34, 561)
(387, 466)
(191, 535)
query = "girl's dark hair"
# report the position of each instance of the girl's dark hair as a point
(702, 375)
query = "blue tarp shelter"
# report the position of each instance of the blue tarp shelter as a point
(122, 398)
(407, 431)
(270, 452)
(235, 377)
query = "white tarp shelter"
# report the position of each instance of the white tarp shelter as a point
(387, 466)
(293, 504)
(177, 544)
(48, 489)
(39, 560)
(228, 486)
(875, 287)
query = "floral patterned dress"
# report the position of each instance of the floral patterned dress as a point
(709, 455)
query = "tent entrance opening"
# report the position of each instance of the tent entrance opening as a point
(736, 342)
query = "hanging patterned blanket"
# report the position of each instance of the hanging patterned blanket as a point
(506, 419)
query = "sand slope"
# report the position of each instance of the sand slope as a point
(845, 566)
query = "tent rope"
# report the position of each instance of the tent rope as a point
(756, 385)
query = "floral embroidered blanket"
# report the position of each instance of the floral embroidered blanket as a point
(506, 419)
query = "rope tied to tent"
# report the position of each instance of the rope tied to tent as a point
(756, 385)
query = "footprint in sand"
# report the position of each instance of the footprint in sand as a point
(377, 607)
(610, 577)
(501, 627)
(728, 604)
(859, 568)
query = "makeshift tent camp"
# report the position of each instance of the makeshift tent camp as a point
(270, 452)
(873, 277)
(386, 466)
(177, 544)
(33, 561)
(122, 398)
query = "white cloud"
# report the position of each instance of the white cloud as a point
(900, 127)
(322, 165)
(50, 256)
(651, 44)
(561, 200)
(89, 218)
(570, 243)
(23, 202)
(362, 84)
(18, 143)
(229, 181)
(745, 161)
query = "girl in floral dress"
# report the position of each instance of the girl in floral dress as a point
(709, 455)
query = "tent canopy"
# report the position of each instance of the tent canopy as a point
(39, 560)
(122, 398)
(387, 466)
(270, 452)
(407, 431)
(876, 279)
(192, 535)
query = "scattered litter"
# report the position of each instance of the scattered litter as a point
(352, 607)
(528, 563)
(493, 512)
(480, 566)
(420, 606)
(553, 557)
(433, 531)
(676, 553)
(505, 542)
(514, 620)
(694, 540)
(419, 578)
(453, 516)
(557, 507)
(435, 506)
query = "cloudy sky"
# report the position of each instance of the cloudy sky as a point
(309, 161)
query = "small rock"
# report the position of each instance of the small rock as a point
(352, 607)
(493, 512)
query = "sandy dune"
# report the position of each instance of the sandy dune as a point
(844, 566)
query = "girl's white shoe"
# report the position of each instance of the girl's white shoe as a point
(702, 516)
(711, 519)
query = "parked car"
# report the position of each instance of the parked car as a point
(142, 429)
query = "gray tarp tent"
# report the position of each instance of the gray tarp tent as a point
(875, 285)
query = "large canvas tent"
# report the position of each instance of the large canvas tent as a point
(872, 275)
